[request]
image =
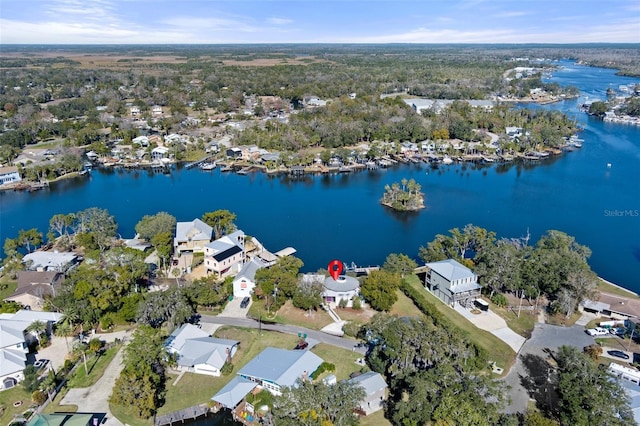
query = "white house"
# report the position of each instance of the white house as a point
(156, 110)
(375, 389)
(50, 261)
(192, 236)
(452, 282)
(344, 288)
(226, 254)
(140, 140)
(199, 353)
(275, 368)
(14, 343)
(9, 175)
(244, 282)
(159, 152)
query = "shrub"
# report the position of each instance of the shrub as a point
(226, 369)
(39, 397)
(342, 303)
(356, 303)
(499, 299)
(351, 328)
(325, 366)
(107, 321)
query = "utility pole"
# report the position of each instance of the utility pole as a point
(520, 306)
(631, 339)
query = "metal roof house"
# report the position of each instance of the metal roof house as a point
(375, 389)
(226, 254)
(50, 261)
(451, 282)
(345, 287)
(276, 368)
(192, 236)
(198, 352)
(245, 281)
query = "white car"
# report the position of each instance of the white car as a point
(598, 331)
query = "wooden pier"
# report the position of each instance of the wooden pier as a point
(197, 163)
(181, 416)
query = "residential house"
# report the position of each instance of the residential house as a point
(234, 152)
(226, 254)
(9, 175)
(513, 132)
(629, 379)
(616, 307)
(135, 111)
(15, 340)
(159, 153)
(156, 110)
(67, 419)
(275, 368)
(245, 282)
(50, 261)
(375, 389)
(314, 101)
(140, 140)
(344, 288)
(34, 286)
(199, 353)
(452, 282)
(438, 105)
(192, 236)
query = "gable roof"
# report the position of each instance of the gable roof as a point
(12, 332)
(196, 230)
(372, 382)
(227, 245)
(31, 316)
(450, 269)
(281, 366)
(36, 283)
(195, 347)
(222, 255)
(234, 391)
(249, 269)
(49, 259)
(11, 361)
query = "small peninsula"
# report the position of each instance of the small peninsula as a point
(405, 196)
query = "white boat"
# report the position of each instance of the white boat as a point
(447, 160)
(208, 166)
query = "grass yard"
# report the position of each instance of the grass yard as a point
(7, 287)
(404, 307)
(561, 319)
(55, 407)
(614, 289)
(496, 349)
(190, 390)
(96, 367)
(289, 314)
(375, 419)
(522, 325)
(8, 398)
(128, 417)
(343, 359)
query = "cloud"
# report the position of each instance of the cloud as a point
(511, 14)
(279, 21)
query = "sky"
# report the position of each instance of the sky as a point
(318, 21)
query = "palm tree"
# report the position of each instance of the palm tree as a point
(63, 329)
(37, 328)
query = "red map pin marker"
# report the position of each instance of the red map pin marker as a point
(335, 269)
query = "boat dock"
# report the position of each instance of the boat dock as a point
(181, 416)
(360, 270)
(200, 161)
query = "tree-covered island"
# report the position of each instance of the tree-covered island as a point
(405, 196)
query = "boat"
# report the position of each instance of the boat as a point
(447, 160)
(208, 166)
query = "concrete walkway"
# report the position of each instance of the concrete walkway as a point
(96, 398)
(495, 325)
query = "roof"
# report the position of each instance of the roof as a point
(595, 306)
(632, 391)
(31, 316)
(12, 332)
(234, 392)
(137, 244)
(227, 253)
(11, 361)
(288, 251)
(66, 419)
(372, 382)
(195, 347)
(196, 230)
(8, 169)
(344, 283)
(226, 246)
(249, 269)
(49, 259)
(450, 269)
(281, 366)
(36, 283)
(620, 304)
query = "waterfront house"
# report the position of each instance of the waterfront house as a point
(234, 152)
(159, 153)
(274, 368)
(50, 261)
(245, 281)
(9, 175)
(34, 286)
(344, 288)
(226, 254)
(192, 236)
(451, 282)
(375, 389)
(140, 140)
(135, 111)
(197, 352)
(156, 110)
(15, 340)
(613, 306)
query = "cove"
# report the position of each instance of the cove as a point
(339, 216)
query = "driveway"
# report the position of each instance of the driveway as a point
(533, 364)
(232, 308)
(96, 398)
(494, 324)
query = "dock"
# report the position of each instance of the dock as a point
(200, 161)
(360, 270)
(181, 416)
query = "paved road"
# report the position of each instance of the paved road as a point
(341, 342)
(532, 356)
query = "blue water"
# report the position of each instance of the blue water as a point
(339, 216)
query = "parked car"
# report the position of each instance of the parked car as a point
(245, 302)
(619, 354)
(302, 345)
(40, 363)
(617, 331)
(598, 331)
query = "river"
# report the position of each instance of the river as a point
(339, 216)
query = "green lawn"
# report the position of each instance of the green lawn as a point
(496, 349)
(8, 398)
(96, 366)
(7, 287)
(343, 359)
(404, 307)
(619, 291)
(375, 419)
(55, 407)
(128, 417)
(522, 325)
(289, 314)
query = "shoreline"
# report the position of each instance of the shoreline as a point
(631, 293)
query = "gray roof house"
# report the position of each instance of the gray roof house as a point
(226, 254)
(199, 353)
(34, 286)
(375, 388)
(50, 261)
(452, 282)
(244, 282)
(275, 368)
(14, 343)
(192, 236)
(234, 392)
(345, 287)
